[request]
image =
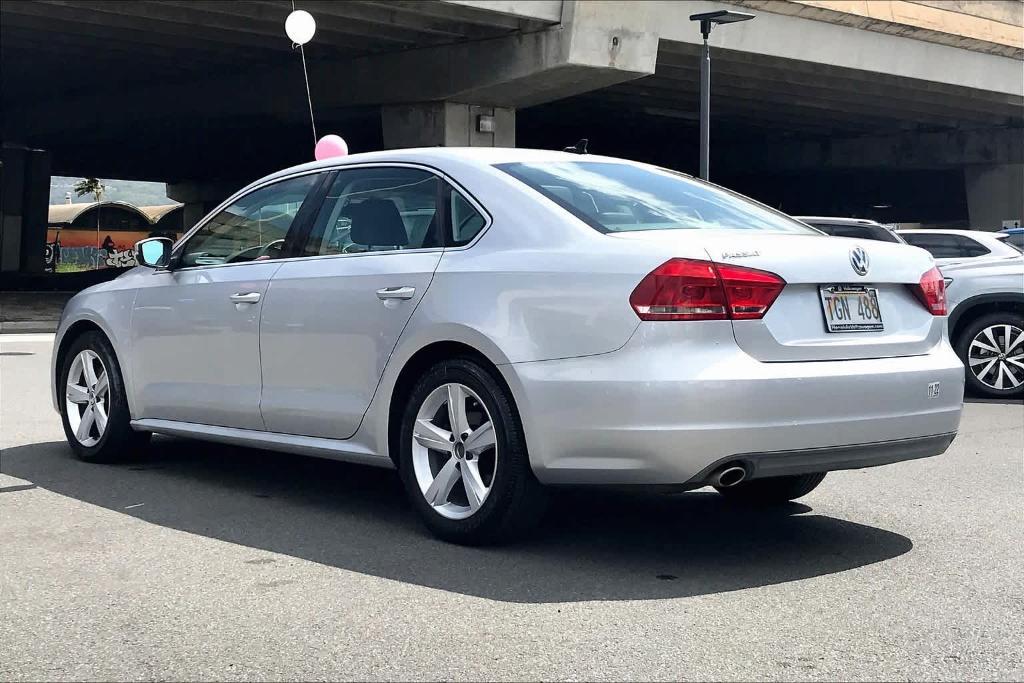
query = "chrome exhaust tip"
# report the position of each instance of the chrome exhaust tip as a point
(729, 476)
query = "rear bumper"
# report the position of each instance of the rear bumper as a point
(666, 408)
(809, 460)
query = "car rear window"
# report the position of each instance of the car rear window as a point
(864, 232)
(613, 197)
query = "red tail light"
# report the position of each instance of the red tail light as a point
(687, 289)
(931, 291)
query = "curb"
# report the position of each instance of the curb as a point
(28, 326)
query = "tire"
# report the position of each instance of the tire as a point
(773, 490)
(1004, 328)
(508, 498)
(117, 441)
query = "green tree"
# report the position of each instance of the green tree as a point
(90, 186)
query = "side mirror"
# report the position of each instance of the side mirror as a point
(154, 252)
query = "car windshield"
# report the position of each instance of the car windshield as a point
(612, 197)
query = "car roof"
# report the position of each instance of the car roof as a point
(835, 220)
(943, 231)
(1012, 231)
(485, 156)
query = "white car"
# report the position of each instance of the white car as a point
(492, 321)
(986, 323)
(958, 246)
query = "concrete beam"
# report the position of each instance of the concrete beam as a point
(808, 40)
(543, 10)
(946, 149)
(590, 50)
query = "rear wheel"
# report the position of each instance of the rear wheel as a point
(773, 489)
(992, 349)
(463, 457)
(94, 406)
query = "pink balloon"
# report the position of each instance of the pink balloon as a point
(330, 146)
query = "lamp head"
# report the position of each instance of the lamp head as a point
(723, 16)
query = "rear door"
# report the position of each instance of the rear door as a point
(331, 320)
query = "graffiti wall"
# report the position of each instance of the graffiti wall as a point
(97, 237)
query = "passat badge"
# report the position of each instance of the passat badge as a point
(933, 390)
(859, 261)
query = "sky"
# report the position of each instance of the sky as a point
(137, 192)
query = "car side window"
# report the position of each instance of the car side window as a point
(946, 246)
(466, 221)
(378, 209)
(253, 228)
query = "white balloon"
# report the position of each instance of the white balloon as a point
(300, 26)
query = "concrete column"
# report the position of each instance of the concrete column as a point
(994, 194)
(199, 198)
(447, 124)
(24, 204)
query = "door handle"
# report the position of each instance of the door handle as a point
(245, 297)
(396, 293)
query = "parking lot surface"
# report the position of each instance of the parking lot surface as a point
(208, 562)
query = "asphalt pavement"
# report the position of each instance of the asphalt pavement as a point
(207, 562)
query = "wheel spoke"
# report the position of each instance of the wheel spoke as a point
(1016, 361)
(978, 361)
(457, 409)
(87, 369)
(102, 384)
(481, 438)
(474, 485)
(429, 435)
(439, 489)
(979, 343)
(991, 338)
(100, 415)
(1004, 368)
(1016, 343)
(999, 375)
(77, 394)
(85, 426)
(986, 369)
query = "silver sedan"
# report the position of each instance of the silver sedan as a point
(491, 322)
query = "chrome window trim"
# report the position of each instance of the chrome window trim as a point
(456, 186)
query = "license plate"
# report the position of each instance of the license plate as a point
(849, 308)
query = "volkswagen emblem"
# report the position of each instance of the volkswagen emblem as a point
(859, 260)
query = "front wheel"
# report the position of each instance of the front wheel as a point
(992, 350)
(773, 489)
(463, 458)
(94, 406)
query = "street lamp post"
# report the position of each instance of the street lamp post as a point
(707, 22)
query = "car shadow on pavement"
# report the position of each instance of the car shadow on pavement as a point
(591, 545)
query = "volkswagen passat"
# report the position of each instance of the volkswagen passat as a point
(492, 321)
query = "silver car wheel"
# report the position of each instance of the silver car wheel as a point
(454, 453)
(996, 356)
(87, 398)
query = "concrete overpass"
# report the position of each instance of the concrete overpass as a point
(818, 105)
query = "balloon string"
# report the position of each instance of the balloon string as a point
(309, 97)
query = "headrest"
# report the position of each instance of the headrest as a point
(377, 223)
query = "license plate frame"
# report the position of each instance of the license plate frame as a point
(851, 308)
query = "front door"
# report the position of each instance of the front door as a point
(195, 328)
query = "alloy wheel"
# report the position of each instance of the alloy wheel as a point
(454, 452)
(87, 398)
(996, 356)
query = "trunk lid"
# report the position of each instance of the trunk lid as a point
(795, 329)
